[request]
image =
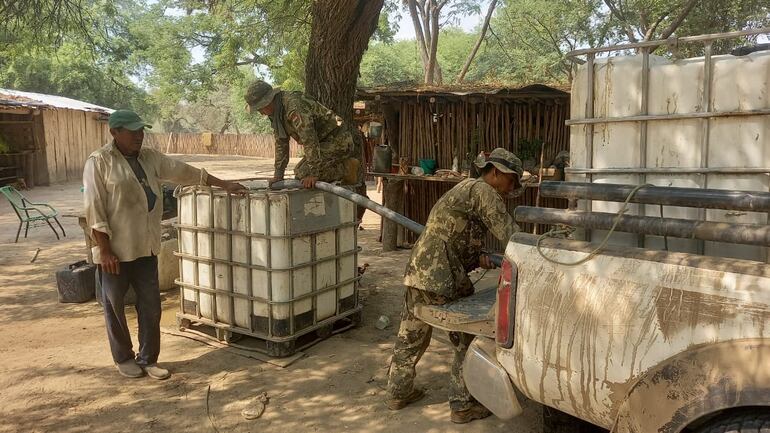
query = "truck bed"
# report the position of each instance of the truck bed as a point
(473, 315)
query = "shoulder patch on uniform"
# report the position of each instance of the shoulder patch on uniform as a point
(295, 118)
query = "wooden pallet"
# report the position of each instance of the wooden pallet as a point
(278, 348)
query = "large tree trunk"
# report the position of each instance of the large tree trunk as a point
(339, 35)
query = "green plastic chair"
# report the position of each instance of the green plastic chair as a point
(23, 207)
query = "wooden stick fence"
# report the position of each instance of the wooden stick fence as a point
(466, 126)
(463, 127)
(259, 145)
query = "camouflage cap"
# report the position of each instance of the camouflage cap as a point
(504, 161)
(260, 94)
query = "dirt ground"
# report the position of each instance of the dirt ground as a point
(56, 373)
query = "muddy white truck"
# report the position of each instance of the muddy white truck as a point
(666, 327)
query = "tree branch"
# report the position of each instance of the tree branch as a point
(679, 19)
(502, 47)
(648, 36)
(483, 34)
(256, 60)
(623, 22)
(421, 43)
(554, 40)
(435, 13)
(426, 14)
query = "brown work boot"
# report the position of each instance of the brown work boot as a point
(400, 403)
(476, 411)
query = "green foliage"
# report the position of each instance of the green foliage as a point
(89, 67)
(533, 36)
(387, 63)
(400, 61)
(185, 64)
(387, 27)
(169, 60)
(653, 19)
(67, 72)
(717, 16)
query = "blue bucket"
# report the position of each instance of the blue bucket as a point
(428, 166)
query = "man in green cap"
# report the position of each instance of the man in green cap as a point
(328, 143)
(123, 206)
(437, 273)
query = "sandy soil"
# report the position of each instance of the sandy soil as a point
(56, 374)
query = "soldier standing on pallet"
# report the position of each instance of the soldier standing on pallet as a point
(437, 273)
(327, 141)
(122, 183)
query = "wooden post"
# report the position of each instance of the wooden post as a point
(28, 167)
(40, 161)
(393, 199)
(168, 143)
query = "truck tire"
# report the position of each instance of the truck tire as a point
(744, 421)
(555, 421)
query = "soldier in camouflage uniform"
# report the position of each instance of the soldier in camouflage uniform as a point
(437, 273)
(328, 143)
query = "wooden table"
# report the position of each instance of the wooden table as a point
(399, 177)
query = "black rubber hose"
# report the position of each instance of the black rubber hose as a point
(369, 204)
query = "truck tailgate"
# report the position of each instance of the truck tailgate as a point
(473, 315)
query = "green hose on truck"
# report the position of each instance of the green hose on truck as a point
(369, 204)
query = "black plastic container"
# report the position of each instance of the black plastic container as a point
(76, 283)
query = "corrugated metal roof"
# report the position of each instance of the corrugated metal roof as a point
(409, 89)
(16, 98)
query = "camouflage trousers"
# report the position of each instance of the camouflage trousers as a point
(413, 339)
(337, 169)
(332, 170)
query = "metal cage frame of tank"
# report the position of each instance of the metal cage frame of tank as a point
(314, 293)
(707, 113)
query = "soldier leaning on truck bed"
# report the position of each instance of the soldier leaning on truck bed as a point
(437, 273)
(330, 153)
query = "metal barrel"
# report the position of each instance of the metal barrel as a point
(752, 201)
(748, 234)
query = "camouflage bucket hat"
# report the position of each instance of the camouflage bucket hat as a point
(260, 94)
(504, 161)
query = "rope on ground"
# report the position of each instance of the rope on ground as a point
(559, 232)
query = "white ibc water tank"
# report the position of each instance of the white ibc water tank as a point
(677, 87)
(269, 264)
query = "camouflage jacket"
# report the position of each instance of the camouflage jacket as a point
(317, 128)
(450, 246)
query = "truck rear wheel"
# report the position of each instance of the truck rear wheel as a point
(744, 421)
(555, 421)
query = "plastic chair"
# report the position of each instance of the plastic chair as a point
(22, 206)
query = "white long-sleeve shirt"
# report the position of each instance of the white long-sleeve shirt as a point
(116, 204)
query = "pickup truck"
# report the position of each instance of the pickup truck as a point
(632, 340)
